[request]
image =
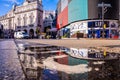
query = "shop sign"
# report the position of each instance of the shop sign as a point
(79, 52)
(78, 26)
(113, 24)
(96, 24)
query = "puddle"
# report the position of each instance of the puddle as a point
(46, 62)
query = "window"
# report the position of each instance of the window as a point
(19, 21)
(25, 20)
(31, 18)
(39, 19)
(10, 23)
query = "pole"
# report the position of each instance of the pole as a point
(103, 33)
(104, 10)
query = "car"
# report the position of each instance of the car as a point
(21, 35)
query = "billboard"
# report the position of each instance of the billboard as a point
(64, 4)
(81, 26)
(62, 19)
(77, 10)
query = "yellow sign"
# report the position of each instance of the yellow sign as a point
(104, 26)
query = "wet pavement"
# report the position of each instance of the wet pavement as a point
(30, 61)
(47, 62)
(10, 68)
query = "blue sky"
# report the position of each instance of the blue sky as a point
(6, 5)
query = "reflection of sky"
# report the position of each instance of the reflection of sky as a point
(50, 75)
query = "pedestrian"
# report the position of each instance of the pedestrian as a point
(78, 35)
(93, 35)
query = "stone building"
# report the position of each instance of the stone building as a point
(26, 17)
(1, 30)
(49, 23)
(48, 17)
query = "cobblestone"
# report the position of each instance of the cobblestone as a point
(10, 68)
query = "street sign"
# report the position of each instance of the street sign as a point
(105, 5)
(104, 10)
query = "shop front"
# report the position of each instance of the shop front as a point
(74, 30)
(79, 29)
(114, 30)
(66, 32)
(97, 30)
(91, 29)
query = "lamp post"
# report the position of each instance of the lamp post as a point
(104, 10)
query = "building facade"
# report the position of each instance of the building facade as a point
(49, 24)
(85, 16)
(1, 30)
(27, 17)
(48, 18)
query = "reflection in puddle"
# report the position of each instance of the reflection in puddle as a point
(46, 62)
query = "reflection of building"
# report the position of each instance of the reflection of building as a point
(29, 65)
(26, 17)
(86, 11)
(78, 69)
(44, 62)
(92, 54)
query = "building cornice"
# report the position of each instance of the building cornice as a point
(6, 18)
(29, 7)
(28, 11)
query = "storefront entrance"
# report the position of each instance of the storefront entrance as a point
(98, 33)
(31, 33)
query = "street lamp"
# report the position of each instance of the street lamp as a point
(104, 10)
